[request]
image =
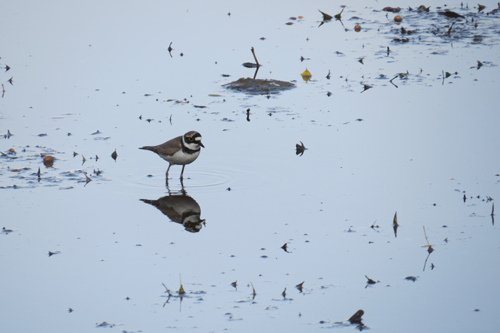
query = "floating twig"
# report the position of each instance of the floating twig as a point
(428, 245)
(283, 293)
(395, 224)
(300, 148)
(356, 318)
(170, 49)
(254, 293)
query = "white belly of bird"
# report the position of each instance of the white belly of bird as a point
(181, 157)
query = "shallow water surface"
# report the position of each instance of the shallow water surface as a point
(396, 119)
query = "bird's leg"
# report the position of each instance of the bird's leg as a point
(183, 191)
(182, 172)
(166, 174)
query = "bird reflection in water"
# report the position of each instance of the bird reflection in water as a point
(180, 208)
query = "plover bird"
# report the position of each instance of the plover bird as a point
(181, 150)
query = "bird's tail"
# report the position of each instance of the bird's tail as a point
(151, 202)
(151, 148)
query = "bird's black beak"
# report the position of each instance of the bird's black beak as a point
(201, 144)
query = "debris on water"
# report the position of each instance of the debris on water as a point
(104, 324)
(360, 60)
(338, 16)
(306, 75)
(357, 317)
(170, 49)
(370, 281)
(357, 27)
(391, 9)
(8, 135)
(51, 253)
(87, 179)
(181, 290)
(326, 18)
(83, 160)
(284, 247)
(300, 286)
(328, 75)
(48, 161)
(451, 14)
(398, 19)
(199, 106)
(395, 224)
(249, 65)
(70, 310)
(38, 175)
(400, 40)
(300, 148)
(405, 31)
(283, 293)
(428, 245)
(96, 132)
(42, 134)
(234, 284)
(411, 278)
(6, 231)
(366, 87)
(256, 64)
(248, 114)
(114, 155)
(254, 293)
(259, 86)
(423, 8)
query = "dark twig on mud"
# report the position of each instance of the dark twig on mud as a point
(255, 65)
(255, 57)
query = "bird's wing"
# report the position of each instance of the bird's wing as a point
(170, 147)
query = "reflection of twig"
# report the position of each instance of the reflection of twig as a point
(393, 82)
(395, 224)
(429, 248)
(492, 214)
(170, 49)
(256, 71)
(425, 262)
(3, 90)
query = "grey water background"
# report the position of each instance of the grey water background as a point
(91, 77)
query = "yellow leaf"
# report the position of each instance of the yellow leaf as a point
(306, 75)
